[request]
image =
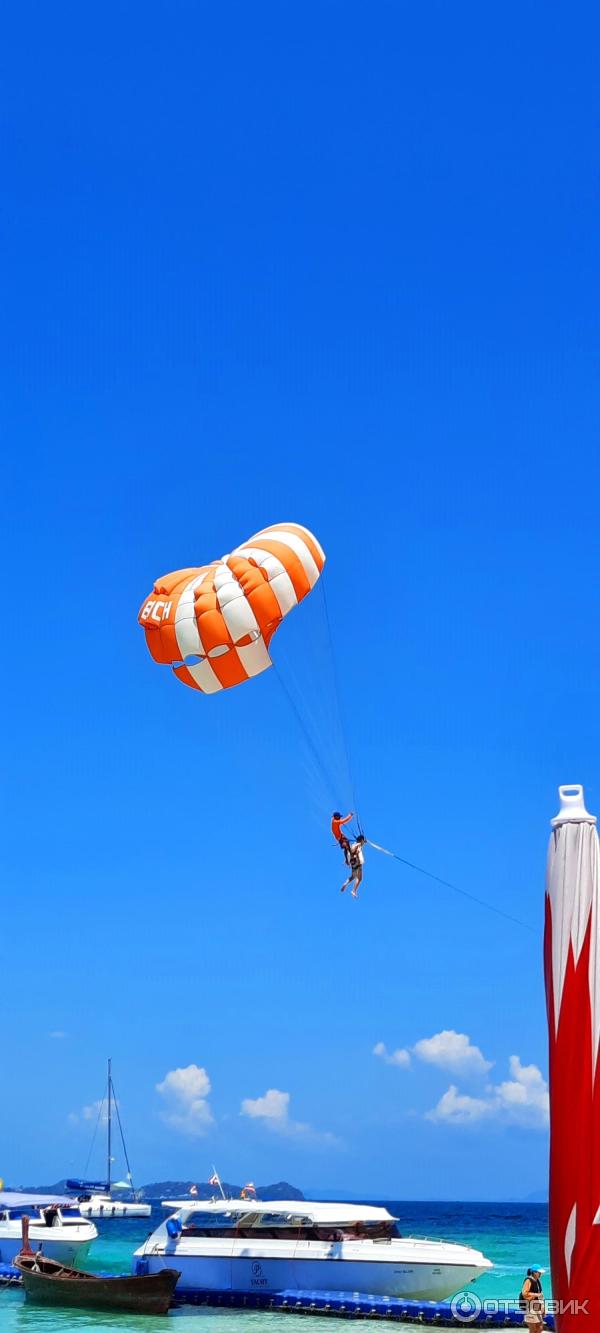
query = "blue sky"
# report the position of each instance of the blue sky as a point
(338, 267)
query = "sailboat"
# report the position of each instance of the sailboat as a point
(96, 1198)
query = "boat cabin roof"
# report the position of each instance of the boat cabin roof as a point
(13, 1199)
(326, 1214)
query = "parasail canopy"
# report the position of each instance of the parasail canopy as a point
(572, 965)
(213, 624)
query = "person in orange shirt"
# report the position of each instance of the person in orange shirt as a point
(336, 829)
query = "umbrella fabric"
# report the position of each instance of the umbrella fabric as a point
(572, 967)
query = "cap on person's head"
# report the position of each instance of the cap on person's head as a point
(536, 1268)
(337, 814)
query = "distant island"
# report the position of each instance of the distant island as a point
(180, 1189)
(177, 1189)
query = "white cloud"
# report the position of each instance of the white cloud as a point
(96, 1111)
(185, 1085)
(273, 1111)
(274, 1106)
(457, 1108)
(449, 1050)
(58, 1035)
(453, 1051)
(186, 1094)
(524, 1098)
(397, 1057)
(521, 1100)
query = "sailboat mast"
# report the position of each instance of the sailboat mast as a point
(109, 1125)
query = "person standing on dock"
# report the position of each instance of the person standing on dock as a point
(532, 1299)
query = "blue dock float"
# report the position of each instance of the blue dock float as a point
(472, 1312)
(9, 1276)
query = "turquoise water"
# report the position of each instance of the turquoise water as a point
(512, 1235)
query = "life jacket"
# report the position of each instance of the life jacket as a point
(535, 1286)
(356, 859)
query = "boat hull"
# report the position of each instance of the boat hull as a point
(65, 1249)
(141, 1295)
(99, 1209)
(410, 1278)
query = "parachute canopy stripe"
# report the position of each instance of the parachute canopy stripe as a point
(307, 537)
(200, 676)
(280, 584)
(213, 624)
(299, 547)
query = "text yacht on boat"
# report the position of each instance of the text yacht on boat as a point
(249, 1245)
(55, 1223)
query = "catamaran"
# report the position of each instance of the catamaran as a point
(248, 1245)
(96, 1197)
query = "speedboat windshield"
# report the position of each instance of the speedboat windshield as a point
(283, 1226)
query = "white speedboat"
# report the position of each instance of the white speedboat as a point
(55, 1223)
(249, 1245)
(96, 1198)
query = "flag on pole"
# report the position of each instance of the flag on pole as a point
(215, 1179)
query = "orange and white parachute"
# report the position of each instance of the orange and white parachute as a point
(213, 624)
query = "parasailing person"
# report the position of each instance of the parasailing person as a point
(336, 828)
(356, 861)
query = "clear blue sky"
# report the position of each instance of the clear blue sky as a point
(339, 266)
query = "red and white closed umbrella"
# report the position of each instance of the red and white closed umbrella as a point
(572, 966)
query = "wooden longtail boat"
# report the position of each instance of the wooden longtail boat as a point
(50, 1283)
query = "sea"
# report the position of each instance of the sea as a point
(513, 1235)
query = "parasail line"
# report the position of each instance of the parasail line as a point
(304, 729)
(338, 696)
(448, 885)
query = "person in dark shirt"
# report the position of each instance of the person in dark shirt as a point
(532, 1299)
